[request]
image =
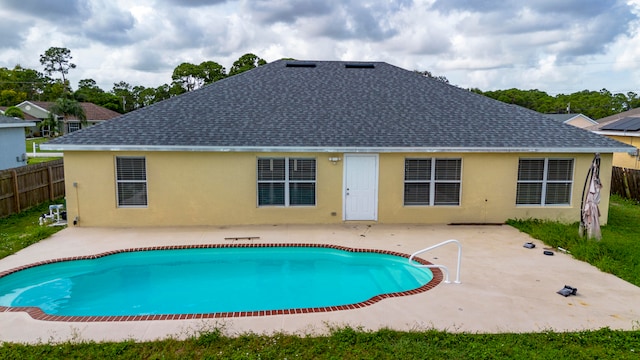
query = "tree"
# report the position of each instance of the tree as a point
(188, 76)
(531, 99)
(110, 102)
(88, 91)
(30, 84)
(51, 125)
(162, 92)
(144, 96)
(13, 111)
(191, 77)
(11, 97)
(54, 89)
(427, 73)
(594, 104)
(123, 91)
(64, 108)
(633, 99)
(211, 72)
(246, 62)
(57, 59)
(69, 108)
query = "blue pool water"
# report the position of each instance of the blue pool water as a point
(210, 280)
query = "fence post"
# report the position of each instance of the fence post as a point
(16, 194)
(625, 181)
(50, 176)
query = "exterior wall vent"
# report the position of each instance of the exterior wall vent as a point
(301, 64)
(359, 66)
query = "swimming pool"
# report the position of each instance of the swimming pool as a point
(210, 281)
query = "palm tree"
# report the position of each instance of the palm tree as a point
(50, 126)
(64, 108)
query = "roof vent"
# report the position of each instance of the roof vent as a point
(301, 64)
(359, 66)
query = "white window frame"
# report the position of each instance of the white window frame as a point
(288, 161)
(432, 181)
(131, 181)
(44, 131)
(76, 126)
(545, 182)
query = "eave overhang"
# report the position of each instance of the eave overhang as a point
(618, 133)
(331, 149)
(17, 125)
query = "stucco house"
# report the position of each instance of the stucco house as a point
(321, 142)
(623, 127)
(577, 120)
(39, 110)
(12, 142)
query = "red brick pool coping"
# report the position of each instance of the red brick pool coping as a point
(37, 314)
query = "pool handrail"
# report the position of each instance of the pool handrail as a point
(446, 270)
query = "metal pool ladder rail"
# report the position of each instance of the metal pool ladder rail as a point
(446, 271)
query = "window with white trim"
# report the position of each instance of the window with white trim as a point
(73, 126)
(286, 182)
(544, 181)
(45, 131)
(131, 181)
(432, 181)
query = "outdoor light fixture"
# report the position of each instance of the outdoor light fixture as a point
(334, 159)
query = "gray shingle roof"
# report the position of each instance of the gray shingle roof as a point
(561, 117)
(333, 107)
(6, 121)
(566, 117)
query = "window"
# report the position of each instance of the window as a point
(73, 126)
(286, 181)
(544, 181)
(432, 181)
(45, 130)
(131, 180)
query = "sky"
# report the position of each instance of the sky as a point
(556, 46)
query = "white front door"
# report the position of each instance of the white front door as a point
(360, 187)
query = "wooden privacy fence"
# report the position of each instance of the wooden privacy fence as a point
(626, 183)
(31, 185)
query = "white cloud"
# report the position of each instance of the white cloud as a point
(555, 46)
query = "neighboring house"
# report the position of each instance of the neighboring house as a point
(320, 142)
(33, 128)
(624, 127)
(577, 120)
(39, 110)
(12, 142)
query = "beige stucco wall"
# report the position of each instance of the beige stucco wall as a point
(624, 159)
(581, 122)
(199, 188)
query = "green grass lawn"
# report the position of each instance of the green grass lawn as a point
(18, 231)
(38, 141)
(349, 343)
(617, 253)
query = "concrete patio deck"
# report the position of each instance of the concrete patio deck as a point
(505, 287)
